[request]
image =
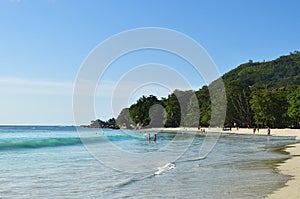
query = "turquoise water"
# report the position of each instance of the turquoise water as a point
(52, 162)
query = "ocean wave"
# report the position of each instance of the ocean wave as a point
(38, 143)
(56, 142)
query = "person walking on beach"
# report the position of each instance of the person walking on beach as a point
(268, 131)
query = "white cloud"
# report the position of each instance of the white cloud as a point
(13, 85)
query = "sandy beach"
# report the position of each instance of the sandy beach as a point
(290, 167)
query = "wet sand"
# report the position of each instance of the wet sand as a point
(290, 167)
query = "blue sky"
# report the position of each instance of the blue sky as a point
(44, 43)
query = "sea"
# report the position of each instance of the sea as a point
(74, 162)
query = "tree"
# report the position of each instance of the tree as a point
(218, 103)
(172, 111)
(139, 112)
(269, 107)
(191, 118)
(238, 103)
(204, 105)
(183, 98)
(294, 106)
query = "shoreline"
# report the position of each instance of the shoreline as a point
(291, 166)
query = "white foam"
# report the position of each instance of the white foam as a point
(195, 159)
(165, 168)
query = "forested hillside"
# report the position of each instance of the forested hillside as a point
(258, 94)
(282, 72)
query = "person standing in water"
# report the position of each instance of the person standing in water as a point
(254, 129)
(149, 138)
(268, 131)
(154, 138)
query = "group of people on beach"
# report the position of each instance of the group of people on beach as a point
(257, 129)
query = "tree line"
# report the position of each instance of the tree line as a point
(246, 106)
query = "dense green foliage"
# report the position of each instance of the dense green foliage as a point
(257, 94)
(282, 72)
(204, 106)
(269, 107)
(139, 112)
(294, 105)
(172, 111)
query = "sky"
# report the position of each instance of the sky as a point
(44, 44)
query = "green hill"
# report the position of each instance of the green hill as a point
(259, 93)
(282, 72)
